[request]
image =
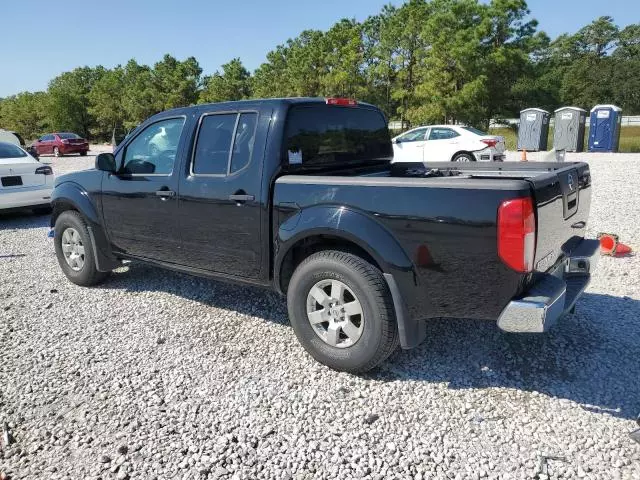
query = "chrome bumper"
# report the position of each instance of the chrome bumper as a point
(554, 295)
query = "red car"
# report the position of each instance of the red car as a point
(60, 144)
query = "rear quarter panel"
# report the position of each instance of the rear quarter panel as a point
(444, 227)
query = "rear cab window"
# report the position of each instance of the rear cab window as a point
(224, 145)
(322, 135)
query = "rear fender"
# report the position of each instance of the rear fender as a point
(365, 232)
(71, 196)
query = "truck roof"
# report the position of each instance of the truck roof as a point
(261, 101)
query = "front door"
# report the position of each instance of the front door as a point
(410, 146)
(140, 202)
(220, 195)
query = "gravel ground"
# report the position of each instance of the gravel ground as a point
(160, 375)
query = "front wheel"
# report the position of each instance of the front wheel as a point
(463, 157)
(56, 152)
(342, 312)
(83, 154)
(74, 250)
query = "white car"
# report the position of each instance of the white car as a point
(447, 143)
(24, 181)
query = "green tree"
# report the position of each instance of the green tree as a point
(69, 100)
(234, 83)
(106, 102)
(177, 83)
(25, 113)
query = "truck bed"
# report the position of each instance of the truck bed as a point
(445, 222)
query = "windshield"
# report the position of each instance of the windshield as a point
(9, 150)
(68, 136)
(325, 134)
(475, 130)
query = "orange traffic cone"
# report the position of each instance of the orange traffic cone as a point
(622, 250)
(610, 245)
(523, 158)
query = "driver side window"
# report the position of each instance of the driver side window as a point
(153, 151)
(414, 136)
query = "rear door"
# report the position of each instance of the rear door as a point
(140, 202)
(441, 145)
(219, 206)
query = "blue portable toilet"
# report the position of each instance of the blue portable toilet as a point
(604, 129)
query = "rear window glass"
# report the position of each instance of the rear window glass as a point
(68, 136)
(474, 130)
(214, 144)
(8, 150)
(327, 134)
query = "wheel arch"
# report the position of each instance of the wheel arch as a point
(335, 228)
(460, 152)
(70, 196)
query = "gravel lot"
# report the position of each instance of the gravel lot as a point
(160, 375)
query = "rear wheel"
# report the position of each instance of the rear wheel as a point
(83, 154)
(342, 312)
(74, 250)
(463, 157)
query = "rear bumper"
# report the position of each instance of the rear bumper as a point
(554, 295)
(489, 155)
(64, 149)
(25, 197)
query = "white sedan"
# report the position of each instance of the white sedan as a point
(447, 143)
(24, 181)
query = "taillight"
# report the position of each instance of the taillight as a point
(44, 171)
(491, 142)
(342, 101)
(517, 234)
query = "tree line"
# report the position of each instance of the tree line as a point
(425, 61)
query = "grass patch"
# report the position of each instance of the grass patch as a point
(629, 138)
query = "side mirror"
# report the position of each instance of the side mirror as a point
(106, 162)
(395, 140)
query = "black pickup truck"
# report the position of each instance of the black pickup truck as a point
(300, 195)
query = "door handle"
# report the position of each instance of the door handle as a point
(241, 197)
(165, 193)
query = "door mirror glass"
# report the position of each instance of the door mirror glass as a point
(106, 162)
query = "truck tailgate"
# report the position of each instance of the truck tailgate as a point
(563, 199)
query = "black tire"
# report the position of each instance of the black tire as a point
(463, 157)
(83, 154)
(379, 337)
(88, 274)
(56, 152)
(43, 210)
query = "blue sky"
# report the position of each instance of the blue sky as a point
(40, 39)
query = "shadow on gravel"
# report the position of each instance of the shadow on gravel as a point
(591, 358)
(22, 220)
(253, 301)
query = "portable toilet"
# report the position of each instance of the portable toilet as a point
(534, 129)
(568, 134)
(604, 128)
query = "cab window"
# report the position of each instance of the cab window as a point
(153, 151)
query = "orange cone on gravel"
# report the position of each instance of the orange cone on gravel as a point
(610, 245)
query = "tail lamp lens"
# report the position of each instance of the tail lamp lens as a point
(517, 234)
